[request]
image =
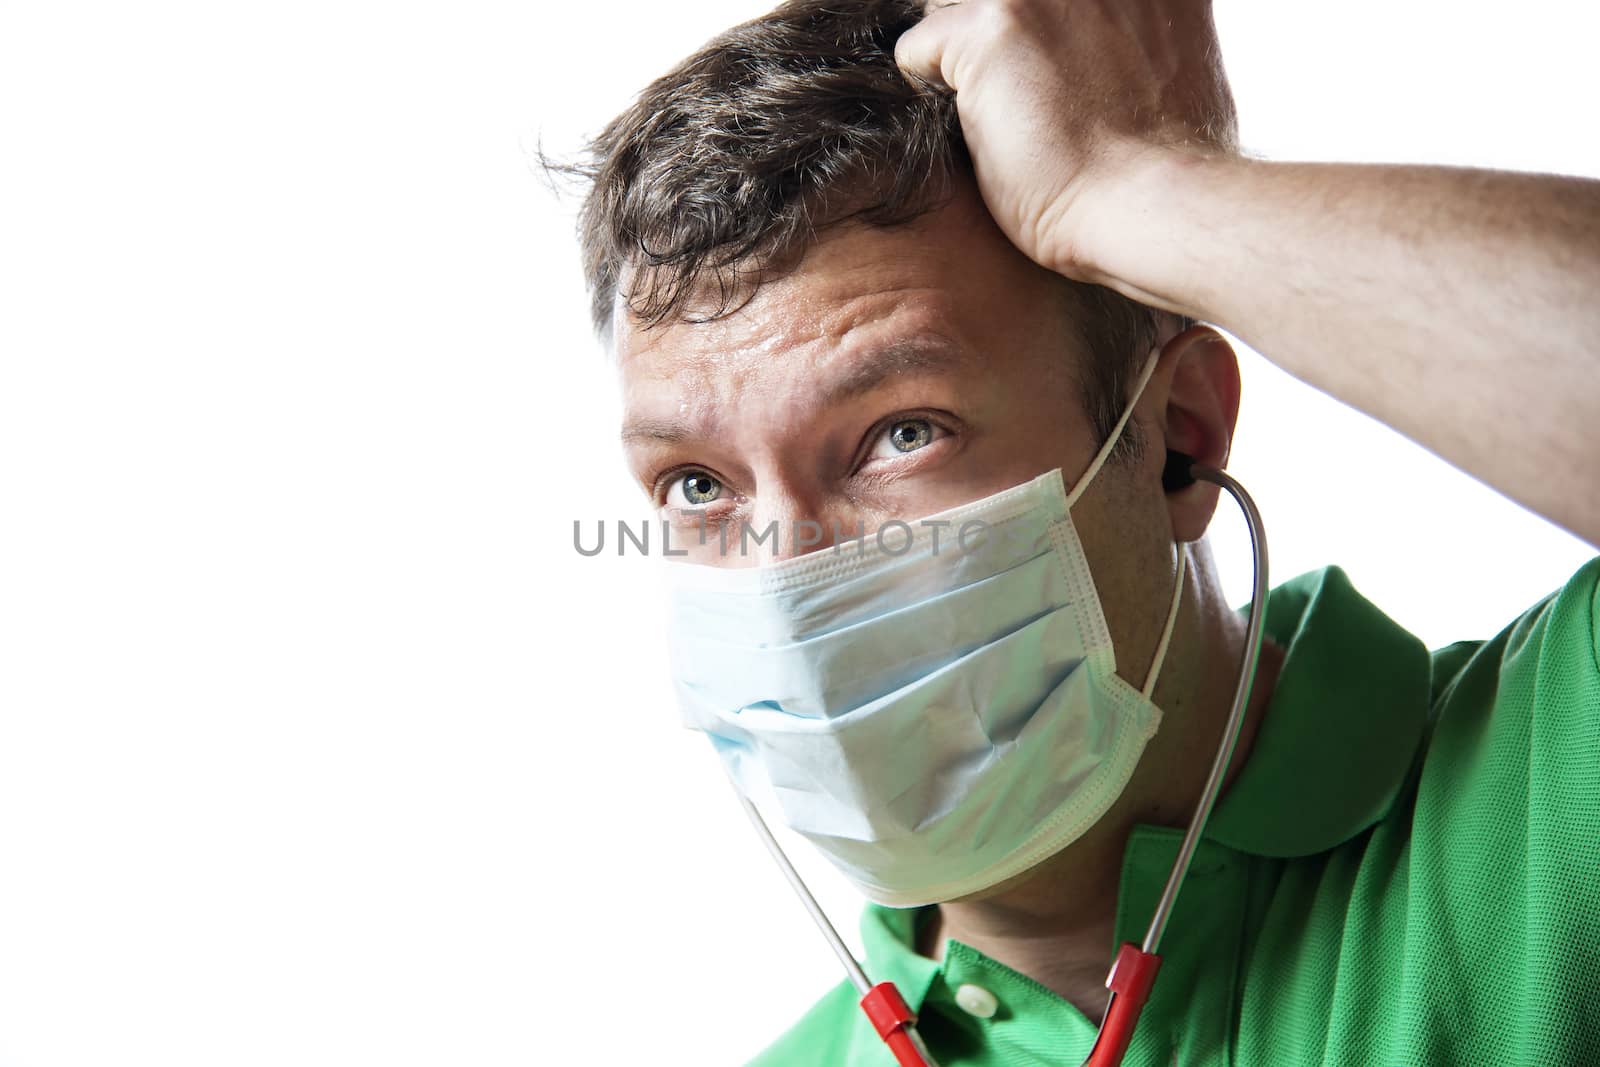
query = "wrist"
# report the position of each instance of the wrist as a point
(1131, 224)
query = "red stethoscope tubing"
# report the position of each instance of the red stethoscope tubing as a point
(1132, 976)
(896, 1024)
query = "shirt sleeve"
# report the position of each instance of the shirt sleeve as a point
(1504, 873)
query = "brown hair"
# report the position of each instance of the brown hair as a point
(775, 129)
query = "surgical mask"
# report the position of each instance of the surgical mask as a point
(937, 719)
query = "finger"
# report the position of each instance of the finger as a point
(920, 51)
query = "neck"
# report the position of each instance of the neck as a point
(1055, 923)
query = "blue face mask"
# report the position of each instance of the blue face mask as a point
(936, 720)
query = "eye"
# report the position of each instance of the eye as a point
(905, 435)
(695, 489)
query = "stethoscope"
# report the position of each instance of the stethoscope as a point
(1133, 971)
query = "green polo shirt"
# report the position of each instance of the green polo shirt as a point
(1406, 871)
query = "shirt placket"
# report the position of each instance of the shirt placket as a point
(1192, 1012)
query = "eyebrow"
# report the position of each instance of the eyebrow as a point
(912, 356)
(659, 431)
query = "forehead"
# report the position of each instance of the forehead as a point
(949, 279)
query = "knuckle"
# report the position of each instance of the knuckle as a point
(1004, 18)
(909, 54)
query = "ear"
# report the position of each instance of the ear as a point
(1201, 374)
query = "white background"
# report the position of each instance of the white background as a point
(318, 742)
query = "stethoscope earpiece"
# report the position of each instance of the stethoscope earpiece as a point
(1179, 473)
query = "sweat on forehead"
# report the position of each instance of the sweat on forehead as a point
(947, 271)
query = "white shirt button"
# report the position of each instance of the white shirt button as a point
(976, 1000)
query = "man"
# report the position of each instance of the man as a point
(862, 264)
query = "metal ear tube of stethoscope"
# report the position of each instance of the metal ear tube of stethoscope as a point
(895, 1023)
(1134, 971)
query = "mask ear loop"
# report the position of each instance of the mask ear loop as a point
(1087, 478)
(1166, 631)
(1116, 431)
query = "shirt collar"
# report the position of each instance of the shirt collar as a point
(889, 937)
(1332, 752)
(1340, 734)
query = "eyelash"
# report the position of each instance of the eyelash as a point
(667, 478)
(939, 420)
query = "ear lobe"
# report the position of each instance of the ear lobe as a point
(1202, 407)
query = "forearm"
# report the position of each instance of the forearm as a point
(1460, 307)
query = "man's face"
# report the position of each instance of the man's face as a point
(895, 373)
